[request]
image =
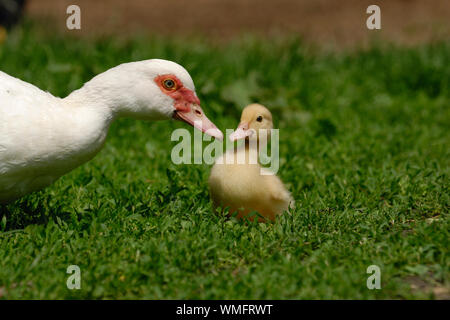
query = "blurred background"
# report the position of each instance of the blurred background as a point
(323, 22)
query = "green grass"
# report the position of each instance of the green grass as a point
(364, 145)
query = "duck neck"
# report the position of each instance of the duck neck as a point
(114, 95)
(95, 100)
(254, 144)
(251, 145)
(251, 148)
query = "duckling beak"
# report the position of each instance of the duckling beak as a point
(197, 118)
(241, 132)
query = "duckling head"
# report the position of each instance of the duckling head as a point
(255, 118)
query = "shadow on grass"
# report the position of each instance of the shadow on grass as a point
(32, 209)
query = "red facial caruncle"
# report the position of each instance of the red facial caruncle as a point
(186, 104)
(173, 87)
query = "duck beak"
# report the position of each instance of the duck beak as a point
(197, 118)
(241, 132)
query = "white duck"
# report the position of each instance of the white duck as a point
(239, 184)
(42, 137)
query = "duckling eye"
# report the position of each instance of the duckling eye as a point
(169, 84)
(259, 119)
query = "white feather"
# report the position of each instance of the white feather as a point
(42, 137)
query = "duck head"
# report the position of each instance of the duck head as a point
(255, 117)
(152, 90)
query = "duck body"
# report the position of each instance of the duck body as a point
(43, 137)
(247, 187)
(237, 180)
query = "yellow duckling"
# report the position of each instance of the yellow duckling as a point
(238, 181)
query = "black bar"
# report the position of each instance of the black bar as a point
(229, 309)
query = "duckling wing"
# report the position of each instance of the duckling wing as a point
(278, 195)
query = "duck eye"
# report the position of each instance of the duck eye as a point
(169, 84)
(259, 119)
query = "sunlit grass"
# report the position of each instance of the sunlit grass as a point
(364, 145)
